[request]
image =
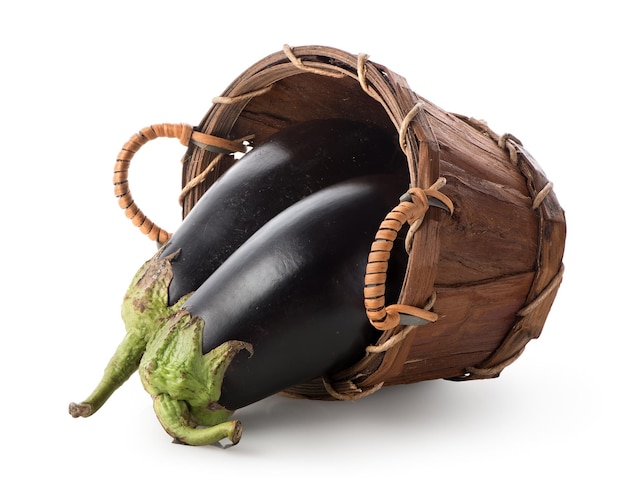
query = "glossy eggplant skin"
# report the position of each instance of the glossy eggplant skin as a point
(289, 166)
(294, 290)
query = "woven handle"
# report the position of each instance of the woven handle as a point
(185, 134)
(411, 209)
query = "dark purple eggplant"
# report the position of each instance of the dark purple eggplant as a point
(287, 167)
(291, 295)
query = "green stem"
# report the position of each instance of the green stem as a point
(122, 365)
(144, 311)
(175, 418)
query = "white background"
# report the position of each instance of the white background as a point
(79, 78)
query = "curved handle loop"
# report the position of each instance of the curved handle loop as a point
(185, 134)
(412, 208)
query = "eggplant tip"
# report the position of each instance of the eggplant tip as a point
(235, 436)
(80, 409)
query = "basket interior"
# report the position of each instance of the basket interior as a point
(307, 96)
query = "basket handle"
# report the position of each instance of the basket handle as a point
(186, 135)
(411, 209)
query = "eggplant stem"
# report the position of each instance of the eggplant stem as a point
(144, 311)
(175, 417)
(122, 365)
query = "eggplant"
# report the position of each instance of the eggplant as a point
(285, 308)
(287, 167)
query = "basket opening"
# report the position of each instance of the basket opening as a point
(307, 96)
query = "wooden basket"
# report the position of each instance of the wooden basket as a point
(489, 272)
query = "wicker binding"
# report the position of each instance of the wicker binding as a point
(484, 276)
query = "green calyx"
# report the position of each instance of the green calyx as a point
(165, 344)
(144, 311)
(186, 385)
(144, 307)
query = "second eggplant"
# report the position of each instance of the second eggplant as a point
(291, 296)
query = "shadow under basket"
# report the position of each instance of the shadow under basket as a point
(489, 272)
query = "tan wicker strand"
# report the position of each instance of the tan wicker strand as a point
(491, 372)
(227, 100)
(200, 178)
(415, 225)
(362, 72)
(406, 121)
(362, 77)
(216, 144)
(543, 295)
(505, 137)
(387, 317)
(541, 195)
(391, 342)
(186, 135)
(504, 142)
(122, 166)
(385, 345)
(353, 395)
(197, 180)
(305, 67)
